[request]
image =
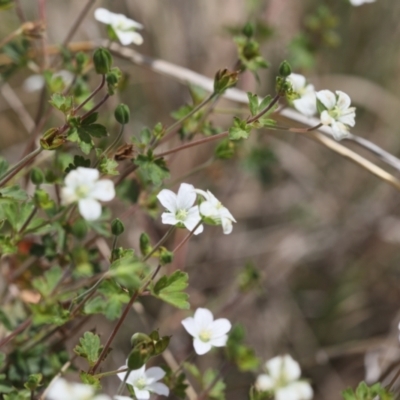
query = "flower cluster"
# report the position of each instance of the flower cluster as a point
(61, 389)
(282, 379)
(182, 211)
(335, 110)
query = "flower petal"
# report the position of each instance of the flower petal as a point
(220, 341)
(203, 318)
(168, 199)
(141, 394)
(155, 373)
(264, 382)
(186, 196)
(103, 190)
(275, 366)
(103, 15)
(348, 118)
(208, 209)
(343, 100)
(90, 209)
(298, 82)
(227, 226)
(128, 37)
(201, 347)
(326, 119)
(220, 327)
(159, 388)
(307, 105)
(291, 368)
(68, 195)
(190, 326)
(169, 219)
(327, 98)
(295, 391)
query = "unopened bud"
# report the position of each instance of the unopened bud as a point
(37, 176)
(285, 69)
(225, 79)
(122, 114)
(117, 227)
(102, 61)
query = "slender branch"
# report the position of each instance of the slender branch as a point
(17, 167)
(96, 107)
(193, 143)
(42, 14)
(19, 11)
(111, 146)
(16, 331)
(187, 237)
(266, 109)
(120, 321)
(28, 220)
(160, 242)
(103, 81)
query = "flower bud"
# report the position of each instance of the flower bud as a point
(145, 246)
(122, 114)
(79, 228)
(248, 30)
(52, 139)
(33, 30)
(285, 69)
(139, 338)
(225, 79)
(117, 227)
(102, 61)
(113, 78)
(37, 177)
(166, 256)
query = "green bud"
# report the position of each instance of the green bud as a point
(248, 30)
(140, 338)
(79, 229)
(102, 61)
(225, 79)
(33, 382)
(117, 227)
(161, 344)
(166, 256)
(122, 114)
(113, 79)
(51, 139)
(145, 246)
(37, 176)
(137, 359)
(285, 69)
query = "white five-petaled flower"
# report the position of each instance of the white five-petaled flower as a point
(307, 102)
(212, 208)
(181, 210)
(82, 185)
(282, 379)
(36, 82)
(61, 389)
(359, 2)
(123, 27)
(338, 114)
(206, 332)
(145, 381)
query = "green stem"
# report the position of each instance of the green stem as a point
(123, 383)
(28, 220)
(187, 237)
(110, 373)
(17, 167)
(197, 108)
(111, 146)
(160, 242)
(266, 109)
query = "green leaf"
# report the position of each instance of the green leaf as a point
(83, 140)
(79, 161)
(89, 348)
(62, 103)
(239, 130)
(217, 391)
(253, 103)
(108, 166)
(128, 272)
(33, 381)
(170, 289)
(96, 130)
(153, 170)
(13, 193)
(89, 379)
(91, 119)
(47, 283)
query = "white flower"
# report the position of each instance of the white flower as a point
(212, 208)
(359, 2)
(338, 114)
(307, 103)
(282, 379)
(206, 332)
(180, 207)
(60, 389)
(82, 185)
(144, 382)
(123, 27)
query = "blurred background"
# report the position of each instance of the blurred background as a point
(321, 233)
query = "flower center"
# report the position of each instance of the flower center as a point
(82, 191)
(335, 113)
(141, 383)
(181, 215)
(205, 335)
(219, 206)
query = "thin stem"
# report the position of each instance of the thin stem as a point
(119, 323)
(16, 331)
(19, 10)
(123, 383)
(103, 81)
(111, 146)
(9, 37)
(160, 242)
(42, 14)
(187, 237)
(266, 109)
(110, 373)
(17, 167)
(96, 107)
(28, 220)
(192, 144)
(194, 111)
